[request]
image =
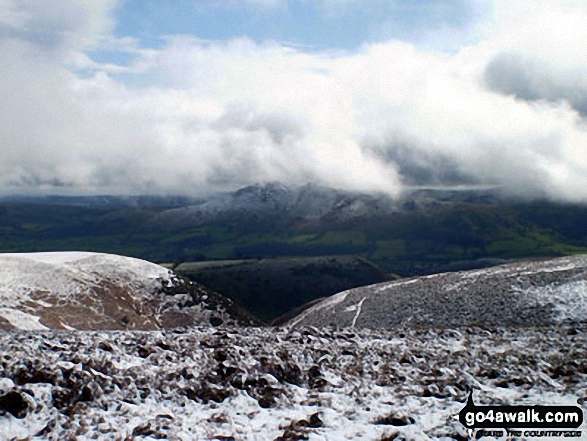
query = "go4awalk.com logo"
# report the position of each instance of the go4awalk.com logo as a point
(526, 421)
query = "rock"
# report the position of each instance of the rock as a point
(14, 403)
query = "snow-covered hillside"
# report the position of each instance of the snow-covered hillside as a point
(273, 200)
(79, 290)
(519, 294)
(263, 384)
(314, 203)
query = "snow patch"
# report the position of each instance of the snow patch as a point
(22, 320)
(358, 308)
(569, 300)
(330, 302)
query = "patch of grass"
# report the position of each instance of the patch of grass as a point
(344, 237)
(302, 238)
(388, 248)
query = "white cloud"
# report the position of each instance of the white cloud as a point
(216, 115)
(551, 30)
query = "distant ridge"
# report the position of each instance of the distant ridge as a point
(528, 293)
(310, 203)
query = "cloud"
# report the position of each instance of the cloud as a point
(547, 30)
(194, 116)
(532, 79)
(55, 25)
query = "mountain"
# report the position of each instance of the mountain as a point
(314, 204)
(80, 290)
(310, 203)
(103, 201)
(525, 293)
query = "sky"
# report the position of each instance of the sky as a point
(195, 96)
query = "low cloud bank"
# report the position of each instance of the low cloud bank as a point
(197, 116)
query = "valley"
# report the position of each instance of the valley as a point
(369, 341)
(266, 226)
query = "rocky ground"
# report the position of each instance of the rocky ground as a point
(278, 384)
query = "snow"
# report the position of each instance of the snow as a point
(53, 258)
(6, 384)
(568, 299)
(66, 327)
(309, 202)
(67, 274)
(296, 384)
(43, 303)
(323, 305)
(22, 320)
(205, 383)
(358, 309)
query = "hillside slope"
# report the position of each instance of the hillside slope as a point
(270, 288)
(78, 290)
(522, 294)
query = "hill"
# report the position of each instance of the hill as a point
(528, 293)
(80, 290)
(270, 288)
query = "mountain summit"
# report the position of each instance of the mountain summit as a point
(276, 201)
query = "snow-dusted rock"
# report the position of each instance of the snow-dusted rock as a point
(519, 294)
(279, 384)
(79, 290)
